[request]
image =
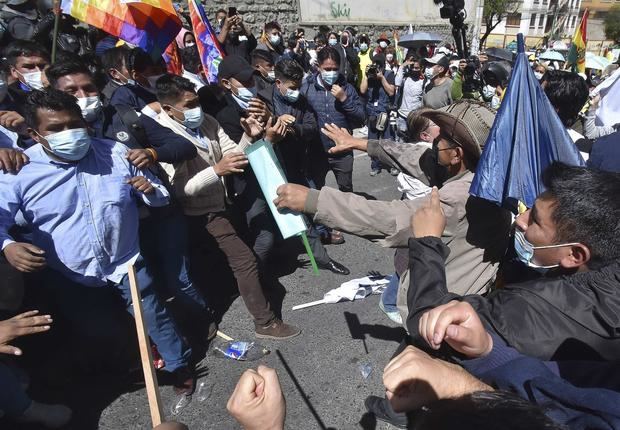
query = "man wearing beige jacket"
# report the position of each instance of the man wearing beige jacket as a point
(476, 230)
(198, 186)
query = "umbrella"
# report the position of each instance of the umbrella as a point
(526, 137)
(499, 54)
(558, 45)
(551, 55)
(418, 39)
(596, 62)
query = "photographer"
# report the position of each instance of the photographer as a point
(410, 83)
(467, 80)
(496, 75)
(378, 88)
(439, 85)
(235, 37)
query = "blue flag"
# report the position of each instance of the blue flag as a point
(526, 137)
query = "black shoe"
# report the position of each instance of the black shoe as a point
(380, 407)
(335, 267)
(183, 381)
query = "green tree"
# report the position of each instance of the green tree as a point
(495, 11)
(612, 24)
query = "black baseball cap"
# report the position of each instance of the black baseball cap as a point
(235, 66)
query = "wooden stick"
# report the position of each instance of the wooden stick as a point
(307, 305)
(152, 387)
(224, 336)
(57, 12)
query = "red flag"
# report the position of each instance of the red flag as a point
(173, 59)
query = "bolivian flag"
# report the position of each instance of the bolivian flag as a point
(577, 54)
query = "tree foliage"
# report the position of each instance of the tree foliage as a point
(612, 24)
(495, 11)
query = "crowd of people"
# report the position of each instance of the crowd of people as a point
(110, 160)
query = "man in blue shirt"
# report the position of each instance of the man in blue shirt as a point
(78, 196)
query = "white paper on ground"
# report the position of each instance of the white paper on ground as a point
(354, 289)
(270, 176)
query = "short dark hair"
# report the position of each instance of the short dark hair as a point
(24, 48)
(64, 68)
(191, 59)
(587, 209)
(138, 60)
(483, 410)
(271, 25)
(567, 92)
(320, 38)
(328, 53)
(289, 70)
(221, 11)
(114, 58)
(49, 99)
(170, 88)
(261, 54)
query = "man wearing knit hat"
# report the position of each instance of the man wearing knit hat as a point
(476, 231)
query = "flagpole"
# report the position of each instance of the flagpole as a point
(56, 25)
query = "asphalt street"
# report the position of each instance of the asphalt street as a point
(319, 370)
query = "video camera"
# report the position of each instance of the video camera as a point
(373, 70)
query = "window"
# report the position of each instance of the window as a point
(544, 1)
(533, 21)
(574, 20)
(513, 20)
(541, 21)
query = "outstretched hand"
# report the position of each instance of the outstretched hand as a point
(342, 138)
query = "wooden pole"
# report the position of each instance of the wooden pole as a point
(56, 25)
(152, 388)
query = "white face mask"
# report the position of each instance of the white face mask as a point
(190, 44)
(4, 89)
(488, 91)
(274, 39)
(429, 73)
(538, 75)
(72, 144)
(363, 47)
(90, 106)
(192, 117)
(33, 80)
(271, 76)
(383, 44)
(333, 42)
(389, 57)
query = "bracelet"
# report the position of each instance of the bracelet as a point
(153, 153)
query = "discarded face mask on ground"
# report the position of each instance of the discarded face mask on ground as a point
(354, 289)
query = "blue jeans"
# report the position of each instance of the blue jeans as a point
(388, 298)
(163, 244)
(92, 313)
(13, 399)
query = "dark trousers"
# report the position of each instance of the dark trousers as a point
(341, 166)
(239, 257)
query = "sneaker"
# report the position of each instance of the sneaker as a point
(394, 171)
(380, 407)
(375, 172)
(278, 330)
(51, 416)
(393, 315)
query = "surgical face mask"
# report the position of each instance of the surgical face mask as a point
(274, 39)
(153, 80)
(429, 73)
(531, 63)
(190, 44)
(291, 95)
(271, 76)
(488, 91)
(129, 80)
(72, 144)
(363, 47)
(246, 94)
(329, 76)
(333, 42)
(90, 106)
(192, 117)
(525, 250)
(389, 57)
(33, 80)
(538, 75)
(4, 89)
(383, 44)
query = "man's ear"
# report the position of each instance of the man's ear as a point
(458, 157)
(225, 83)
(14, 72)
(579, 256)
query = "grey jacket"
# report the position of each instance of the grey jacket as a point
(476, 230)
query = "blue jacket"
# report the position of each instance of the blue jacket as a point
(348, 114)
(605, 154)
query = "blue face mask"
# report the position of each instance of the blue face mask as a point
(72, 144)
(246, 94)
(525, 251)
(329, 77)
(363, 47)
(333, 42)
(192, 118)
(291, 95)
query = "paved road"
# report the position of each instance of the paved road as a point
(324, 387)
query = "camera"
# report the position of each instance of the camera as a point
(372, 71)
